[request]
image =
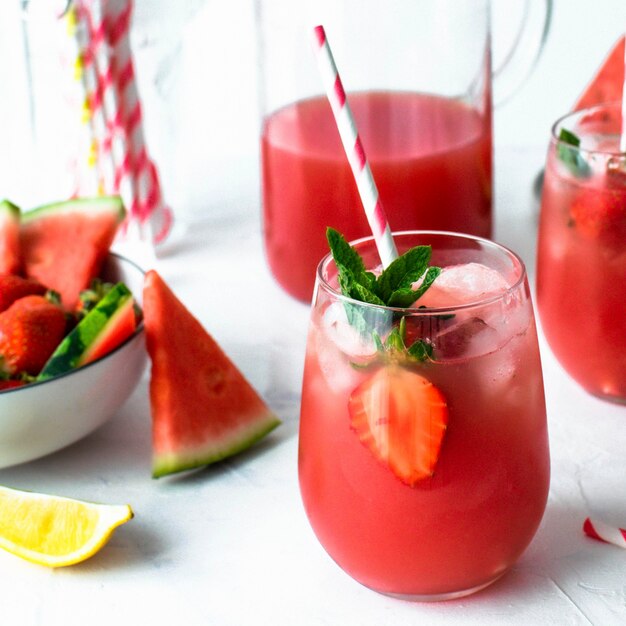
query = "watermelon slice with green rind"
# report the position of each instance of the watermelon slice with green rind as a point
(105, 327)
(203, 408)
(63, 245)
(10, 262)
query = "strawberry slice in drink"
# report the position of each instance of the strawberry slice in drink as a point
(401, 417)
(601, 213)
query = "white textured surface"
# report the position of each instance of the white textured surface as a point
(230, 545)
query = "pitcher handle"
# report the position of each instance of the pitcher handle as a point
(523, 54)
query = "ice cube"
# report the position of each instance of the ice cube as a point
(340, 375)
(499, 373)
(463, 284)
(463, 339)
(340, 349)
(346, 337)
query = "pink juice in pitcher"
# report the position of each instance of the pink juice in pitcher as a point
(430, 156)
(424, 471)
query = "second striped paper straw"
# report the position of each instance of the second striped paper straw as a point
(354, 149)
(604, 532)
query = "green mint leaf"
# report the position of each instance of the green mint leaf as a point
(395, 341)
(380, 346)
(402, 298)
(406, 297)
(365, 295)
(568, 152)
(403, 272)
(345, 255)
(567, 136)
(394, 347)
(351, 287)
(393, 288)
(394, 285)
(420, 350)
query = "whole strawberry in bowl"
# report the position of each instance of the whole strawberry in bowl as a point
(30, 330)
(71, 348)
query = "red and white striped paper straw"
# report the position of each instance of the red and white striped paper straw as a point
(354, 149)
(148, 205)
(87, 177)
(113, 97)
(92, 111)
(604, 532)
(104, 103)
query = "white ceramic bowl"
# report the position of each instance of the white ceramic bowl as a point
(40, 418)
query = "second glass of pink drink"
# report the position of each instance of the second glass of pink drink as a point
(423, 449)
(581, 265)
(418, 76)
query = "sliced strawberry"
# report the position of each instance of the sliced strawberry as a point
(601, 213)
(401, 417)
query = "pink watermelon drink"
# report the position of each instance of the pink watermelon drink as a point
(430, 156)
(581, 269)
(423, 455)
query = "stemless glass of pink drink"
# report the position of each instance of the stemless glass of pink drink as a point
(418, 80)
(426, 476)
(581, 264)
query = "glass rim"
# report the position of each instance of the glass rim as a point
(323, 283)
(615, 104)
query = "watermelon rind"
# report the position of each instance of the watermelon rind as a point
(7, 208)
(10, 217)
(106, 340)
(217, 450)
(73, 350)
(95, 205)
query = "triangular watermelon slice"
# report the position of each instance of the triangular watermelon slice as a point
(9, 238)
(203, 409)
(63, 245)
(607, 84)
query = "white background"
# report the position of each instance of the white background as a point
(230, 545)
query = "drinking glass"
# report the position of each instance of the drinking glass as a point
(418, 77)
(425, 477)
(581, 261)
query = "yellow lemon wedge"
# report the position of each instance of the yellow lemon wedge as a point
(53, 530)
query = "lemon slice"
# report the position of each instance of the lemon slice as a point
(53, 530)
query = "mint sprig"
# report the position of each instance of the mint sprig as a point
(393, 287)
(569, 154)
(394, 347)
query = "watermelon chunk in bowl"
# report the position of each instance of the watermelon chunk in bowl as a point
(43, 417)
(64, 244)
